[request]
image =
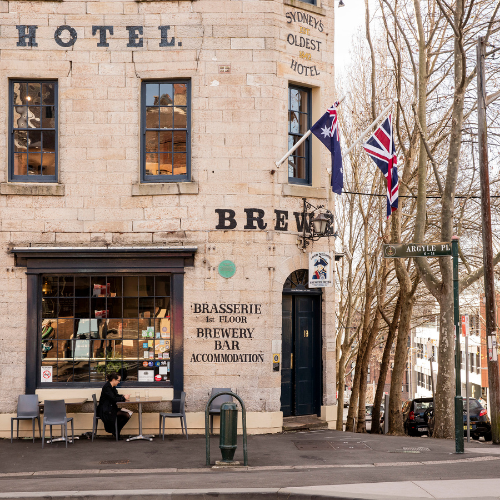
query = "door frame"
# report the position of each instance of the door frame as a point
(316, 293)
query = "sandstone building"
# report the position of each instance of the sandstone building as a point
(144, 224)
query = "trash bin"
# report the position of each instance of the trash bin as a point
(228, 431)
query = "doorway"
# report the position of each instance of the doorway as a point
(301, 364)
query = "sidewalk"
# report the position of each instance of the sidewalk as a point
(296, 465)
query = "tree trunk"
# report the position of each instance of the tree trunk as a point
(386, 356)
(353, 402)
(445, 383)
(363, 383)
(395, 414)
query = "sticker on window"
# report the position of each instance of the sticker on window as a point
(146, 375)
(46, 373)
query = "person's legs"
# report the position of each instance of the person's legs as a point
(122, 418)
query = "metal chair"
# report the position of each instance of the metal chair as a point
(54, 413)
(216, 403)
(27, 409)
(97, 417)
(178, 411)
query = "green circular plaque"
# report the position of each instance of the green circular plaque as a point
(227, 268)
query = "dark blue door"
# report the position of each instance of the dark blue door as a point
(301, 355)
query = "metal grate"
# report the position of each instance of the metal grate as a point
(312, 445)
(328, 445)
(421, 448)
(114, 462)
(349, 445)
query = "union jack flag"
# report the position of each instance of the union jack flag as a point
(380, 147)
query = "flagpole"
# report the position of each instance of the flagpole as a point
(368, 130)
(301, 140)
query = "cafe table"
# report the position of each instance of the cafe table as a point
(140, 401)
(67, 402)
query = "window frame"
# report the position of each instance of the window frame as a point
(308, 142)
(32, 178)
(148, 179)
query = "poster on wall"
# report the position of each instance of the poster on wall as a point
(320, 269)
(46, 374)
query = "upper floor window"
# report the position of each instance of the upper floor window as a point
(33, 131)
(166, 123)
(299, 122)
(312, 2)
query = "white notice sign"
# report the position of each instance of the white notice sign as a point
(146, 375)
(320, 269)
(46, 374)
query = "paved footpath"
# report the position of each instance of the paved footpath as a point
(303, 465)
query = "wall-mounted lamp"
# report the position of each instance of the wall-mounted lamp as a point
(341, 3)
(316, 224)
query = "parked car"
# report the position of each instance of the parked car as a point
(416, 414)
(480, 424)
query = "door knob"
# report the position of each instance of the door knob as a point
(306, 333)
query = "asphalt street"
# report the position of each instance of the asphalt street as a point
(285, 460)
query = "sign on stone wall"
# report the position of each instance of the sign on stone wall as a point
(66, 36)
(306, 39)
(320, 269)
(227, 333)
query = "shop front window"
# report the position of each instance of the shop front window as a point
(95, 325)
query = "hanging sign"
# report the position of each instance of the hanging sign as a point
(320, 269)
(465, 325)
(46, 374)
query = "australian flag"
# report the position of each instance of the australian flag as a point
(326, 129)
(380, 146)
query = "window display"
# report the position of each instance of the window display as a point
(94, 325)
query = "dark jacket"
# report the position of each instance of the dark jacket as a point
(107, 408)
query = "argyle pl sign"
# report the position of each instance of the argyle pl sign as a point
(406, 250)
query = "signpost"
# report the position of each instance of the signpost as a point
(408, 250)
(465, 333)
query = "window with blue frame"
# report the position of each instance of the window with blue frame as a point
(33, 131)
(299, 122)
(165, 123)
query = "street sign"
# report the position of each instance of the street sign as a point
(406, 250)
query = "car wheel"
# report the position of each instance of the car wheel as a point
(488, 436)
(475, 437)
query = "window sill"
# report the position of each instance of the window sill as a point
(302, 191)
(155, 189)
(32, 189)
(306, 6)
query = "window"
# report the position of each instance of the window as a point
(94, 325)
(166, 124)
(312, 2)
(299, 122)
(33, 131)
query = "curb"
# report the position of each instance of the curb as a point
(209, 494)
